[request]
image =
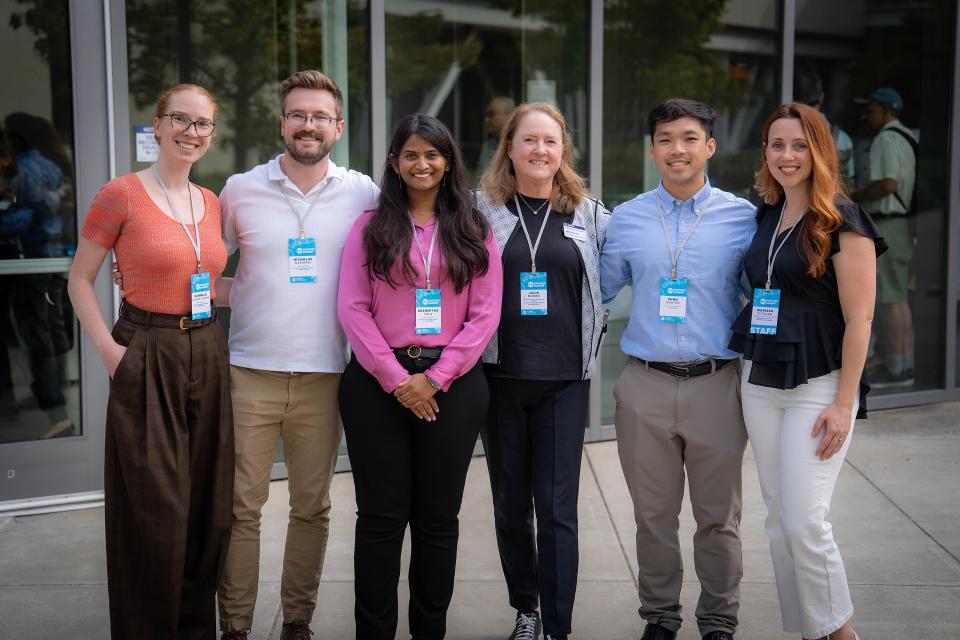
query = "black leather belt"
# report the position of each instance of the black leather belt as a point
(150, 319)
(416, 352)
(685, 371)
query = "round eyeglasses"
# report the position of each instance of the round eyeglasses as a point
(180, 122)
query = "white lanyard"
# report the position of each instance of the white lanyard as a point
(533, 245)
(301, 217)
(196, 228)
(771, 254)
(429, 257)
(675, 257)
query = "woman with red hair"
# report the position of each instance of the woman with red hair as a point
(812, 270)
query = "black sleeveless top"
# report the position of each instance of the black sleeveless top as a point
(810, 327)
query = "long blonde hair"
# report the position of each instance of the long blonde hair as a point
(823, 217)
(500, 179)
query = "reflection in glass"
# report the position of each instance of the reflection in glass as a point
(240, 50)
(39, 364)
(874, 68)
(469, 62)
(724, 54)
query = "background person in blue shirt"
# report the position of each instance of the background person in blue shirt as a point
(680, 247)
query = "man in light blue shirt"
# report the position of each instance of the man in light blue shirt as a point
(680, 248)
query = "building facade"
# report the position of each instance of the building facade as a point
(82, 77)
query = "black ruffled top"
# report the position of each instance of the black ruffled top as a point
(810, 325)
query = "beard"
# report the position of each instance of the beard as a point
(304, 157)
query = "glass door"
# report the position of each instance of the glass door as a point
(47, 445)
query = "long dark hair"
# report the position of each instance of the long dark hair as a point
(388, 236)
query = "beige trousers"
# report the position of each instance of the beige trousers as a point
(300, 409)
(665, 425)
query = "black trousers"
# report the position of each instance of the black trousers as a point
(534, 442)
(407, 471)
(168, 480)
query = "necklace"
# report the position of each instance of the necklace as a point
(422, 215)
(532, 210)
(791, 223)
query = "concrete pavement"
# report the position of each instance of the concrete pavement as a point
(896, 514)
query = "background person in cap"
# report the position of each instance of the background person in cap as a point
(885, 191)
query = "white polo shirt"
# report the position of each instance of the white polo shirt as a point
(275, 324)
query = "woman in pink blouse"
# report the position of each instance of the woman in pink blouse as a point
(420, 287)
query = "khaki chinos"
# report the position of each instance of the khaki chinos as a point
(665, 423)
(300, 409)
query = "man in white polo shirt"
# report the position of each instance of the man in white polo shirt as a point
(289, 218)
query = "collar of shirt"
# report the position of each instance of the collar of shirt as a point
(276, 174)
(670, 202)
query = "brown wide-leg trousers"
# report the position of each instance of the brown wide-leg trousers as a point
(168, 481)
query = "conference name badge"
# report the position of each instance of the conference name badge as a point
(302, 256)
(200, 295)
(533, 293)
(428, 311)
(673, 299)
(766, 311)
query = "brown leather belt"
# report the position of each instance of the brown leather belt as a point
(149, 319)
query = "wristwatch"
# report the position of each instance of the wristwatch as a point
(433, 383)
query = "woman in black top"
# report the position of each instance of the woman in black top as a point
(549, 232)
(812, 270)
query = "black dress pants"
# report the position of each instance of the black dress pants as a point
(168, 479)
(534, 442)
(407, 471)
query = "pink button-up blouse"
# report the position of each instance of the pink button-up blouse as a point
(378, 318)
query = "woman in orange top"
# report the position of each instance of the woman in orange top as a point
(168, 479)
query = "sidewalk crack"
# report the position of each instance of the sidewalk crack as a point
(900, 509)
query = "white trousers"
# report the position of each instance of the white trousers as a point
(797, 487)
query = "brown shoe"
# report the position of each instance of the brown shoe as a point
(235, 634)
(298, 630)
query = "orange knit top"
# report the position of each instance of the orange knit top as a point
(155, 256)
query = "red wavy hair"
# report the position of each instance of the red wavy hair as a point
(824, 185)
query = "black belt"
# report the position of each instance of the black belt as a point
(150, 319)
(416, 352)
(685, 371)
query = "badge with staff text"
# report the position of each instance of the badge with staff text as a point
(766, 311)
(302, 256)
(200, 295)
(533, 293)
(673, 299)
(428, 311)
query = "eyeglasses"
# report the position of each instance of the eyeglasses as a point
(181, 123)
(299, 119)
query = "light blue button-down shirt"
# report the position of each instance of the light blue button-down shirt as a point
(636, 253)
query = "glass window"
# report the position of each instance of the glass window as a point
(39, 362)
(468, 62)
(724, 54)
(240, 50)
(876, 70)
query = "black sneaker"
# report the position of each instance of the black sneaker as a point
(527, 627)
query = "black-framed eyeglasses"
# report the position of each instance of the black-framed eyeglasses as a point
(180, 122)
(299, 119)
